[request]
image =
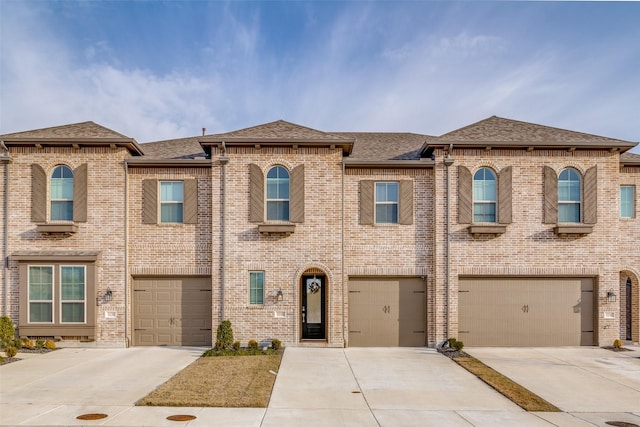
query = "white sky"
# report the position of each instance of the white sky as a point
(157, 70)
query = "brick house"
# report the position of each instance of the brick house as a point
(501, 233)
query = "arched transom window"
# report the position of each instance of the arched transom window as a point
(569, 196)
(278, 194)
(62, 194)
(484, 195)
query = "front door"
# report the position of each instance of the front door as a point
(313, 307)
(629, 310)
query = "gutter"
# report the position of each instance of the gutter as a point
(223, 232)
(448, 161)
(344, 340)
(6, 159)
(127, 339)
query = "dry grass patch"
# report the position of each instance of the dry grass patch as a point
(515, 392)
(225, 381)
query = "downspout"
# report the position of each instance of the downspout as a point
(127, 340)
(223, 232)
(448, 161)
(344, 340)
(5, 234)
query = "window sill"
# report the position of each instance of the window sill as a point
(572, 230)
(493, 229)
(277, 228)
(57, 228)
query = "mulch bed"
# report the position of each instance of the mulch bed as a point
(616, 349)
(8, 360)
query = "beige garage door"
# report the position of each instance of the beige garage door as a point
(526, 312)
(387, 312)
(172, 311)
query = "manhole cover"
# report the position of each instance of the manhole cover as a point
(181, 417)
(621, 424)
(89, 417)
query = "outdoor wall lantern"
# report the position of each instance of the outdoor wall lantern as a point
(279, 296)
(108, 295)
(611, 296)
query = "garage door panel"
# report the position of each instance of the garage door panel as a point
(525, 312)
(387, 312)
(172, 311)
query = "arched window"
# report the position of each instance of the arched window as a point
(278, 194)
(62, 194)
(484, 196)
(569, 196)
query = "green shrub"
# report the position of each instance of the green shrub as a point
(224, 336)
(2, 360)
(617, 344)
(27, 343)
(10, 351)
(451, 341)
(253, 345)
(17, 343)
(39, 343)
(236, 345)
(276, 344)
(458, 345)
(7, 331)
(50, 345)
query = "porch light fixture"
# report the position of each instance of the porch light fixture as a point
(611, 296)
(108, 295)
(279, 296)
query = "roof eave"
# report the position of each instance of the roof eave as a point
(129, 143)
(619, 146)
(167, 163)
(207, 142)
(388, 164)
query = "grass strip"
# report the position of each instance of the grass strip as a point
(225, 381)
(515, 392)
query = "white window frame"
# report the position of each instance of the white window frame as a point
(267, 199)
(53, 294)
(377, 203)
(261, 272)
(569, 202)
(632, 201)
(493, 202)
(169, 202)
(84, 301)
(52, 200)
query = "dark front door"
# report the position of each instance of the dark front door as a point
(313, 307)
(629, 310)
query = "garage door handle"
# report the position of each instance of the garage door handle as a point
(386, 309)
(525, 308)
(205, 329)
(139, 329)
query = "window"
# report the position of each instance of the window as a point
(386, 202)
(256, 287)
(40, 294)
(171, 201)
(569, 196)
(627, 202)
(62, 194)
(278, 194)
(484, 196)
(72, 294)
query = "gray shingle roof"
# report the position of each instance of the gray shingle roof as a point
(279, 129)
(74, 131)
(630, 159)
(376, 146)
(182, 148)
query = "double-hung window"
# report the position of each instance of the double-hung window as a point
(40, 297)
(569, 196)
(61, 194)
(386, 203)
(72, 294)
(256, 287)
(171, 201)
(278, 194)
(627, 202)
(48, 293)
(484, 195)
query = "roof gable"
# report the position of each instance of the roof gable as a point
(280, 130)
(72, 131)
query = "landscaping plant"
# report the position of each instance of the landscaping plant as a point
(7, 331)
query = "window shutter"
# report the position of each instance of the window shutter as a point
(366, 202)
(465, 195)
(190, 201)
(591, 195)
(150, 201)
(406, 203)
(80, 180)
(38, 194)
(550, 196)
(296, 198)
(504, 195)
(256, 196)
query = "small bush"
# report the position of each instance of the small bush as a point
(50, 345)
(224, 336)
(39, 343)
(7, 331)
(276, 344)
(236, 346)
(17, 343)
(458, 345)
(451, 341)
(617, 344)
(2, 360)
(253, 345)
(10, 351)
(27, 343)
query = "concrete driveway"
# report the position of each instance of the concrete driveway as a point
(314, 387)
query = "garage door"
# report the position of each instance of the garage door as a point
(387, 312)
(526, 312)
(172, 311)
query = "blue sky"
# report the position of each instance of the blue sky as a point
(157, 70)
